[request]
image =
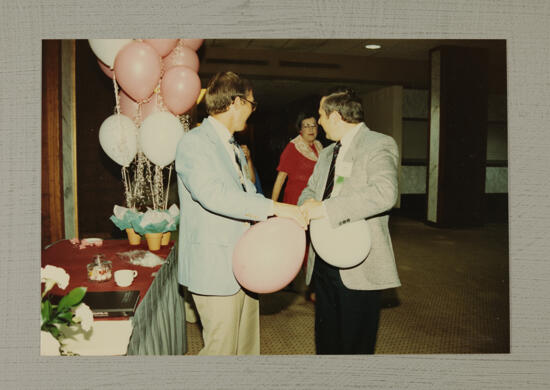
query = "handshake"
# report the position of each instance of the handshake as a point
(311, 209)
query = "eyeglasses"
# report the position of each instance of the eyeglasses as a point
(310, 126)
(253, 104)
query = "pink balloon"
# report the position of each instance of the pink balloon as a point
(162, 46)
(269, 255)
(128, 106)
(192, 43)
(180, 88)
(181, 56)
(137, 70)
(108, 72)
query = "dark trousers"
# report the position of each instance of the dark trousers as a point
(346, 321)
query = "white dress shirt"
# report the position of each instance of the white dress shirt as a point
(225, 136)
(341, 166)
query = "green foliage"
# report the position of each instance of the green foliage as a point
(46, 313)
(60, 314)
(73, 298)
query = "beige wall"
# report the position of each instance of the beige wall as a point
(384, 113)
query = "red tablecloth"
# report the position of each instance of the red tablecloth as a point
(74, 260)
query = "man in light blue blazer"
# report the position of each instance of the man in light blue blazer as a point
(348, 300)
(217, 201)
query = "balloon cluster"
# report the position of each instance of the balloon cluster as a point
(158, 82)
(141, 65)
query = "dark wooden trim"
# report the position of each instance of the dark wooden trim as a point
(414, 206)
(496, 163)
(414, 162)
(411, 119)
(53, 225)
(408, 162)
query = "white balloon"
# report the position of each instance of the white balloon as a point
(343, 247)
(107, 49)
(159, 135)
(118, 138)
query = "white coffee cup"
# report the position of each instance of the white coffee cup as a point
(125, 277)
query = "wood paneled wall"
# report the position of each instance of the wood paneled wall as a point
(52, 174)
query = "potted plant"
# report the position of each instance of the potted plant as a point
(123, 218)
(70, 311)
(154, 223)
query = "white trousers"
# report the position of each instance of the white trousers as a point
(231, 324)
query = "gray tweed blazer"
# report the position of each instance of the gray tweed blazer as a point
(368, 193)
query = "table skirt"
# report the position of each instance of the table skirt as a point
(159, 321)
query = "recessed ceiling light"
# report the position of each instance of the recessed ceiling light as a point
(372, 47)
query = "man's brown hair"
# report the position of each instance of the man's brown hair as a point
(344, 101)
(222, 90)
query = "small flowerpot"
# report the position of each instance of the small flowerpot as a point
(153, 241)
(165, 239)
(133, 237)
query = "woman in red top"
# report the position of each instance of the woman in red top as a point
(297, 160)
(296, 163)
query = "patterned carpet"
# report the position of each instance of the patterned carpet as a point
(453, 299)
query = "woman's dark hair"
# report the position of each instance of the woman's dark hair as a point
(344, 101)
(300, 118)
(222, 89)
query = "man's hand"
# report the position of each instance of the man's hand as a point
(290, 211)
(313, 209)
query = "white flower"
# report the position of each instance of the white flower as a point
(49, 346)
(84, 315)
(172, 215)
(152, 217)
(173, 210)
(52, 275)
(119, 211)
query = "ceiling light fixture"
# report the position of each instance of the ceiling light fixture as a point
(372, 47)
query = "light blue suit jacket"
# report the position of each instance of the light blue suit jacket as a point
(214, 211)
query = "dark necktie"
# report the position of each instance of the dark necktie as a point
(235, 146)
(330, 177)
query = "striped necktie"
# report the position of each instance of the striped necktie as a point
(235, 146)
(330, 177)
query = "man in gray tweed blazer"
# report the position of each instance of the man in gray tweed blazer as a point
(347, 303)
